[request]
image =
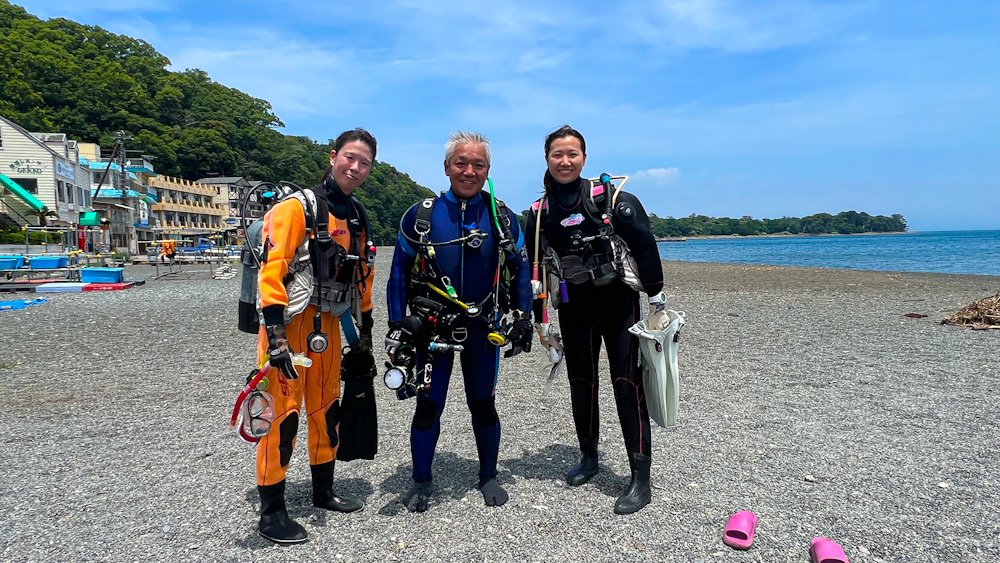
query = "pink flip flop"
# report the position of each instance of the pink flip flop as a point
(827, 551)
(740, 530)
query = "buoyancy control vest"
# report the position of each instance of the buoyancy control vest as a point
(324, 272)
(580, 244)
(426, 274)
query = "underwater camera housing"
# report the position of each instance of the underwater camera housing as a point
(418, 331)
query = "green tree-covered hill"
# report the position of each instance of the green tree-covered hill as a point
(845, 222)
(60, 76)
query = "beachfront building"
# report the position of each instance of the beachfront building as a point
(43, 183)
(121, 200)
(186, 208)
(231, 191)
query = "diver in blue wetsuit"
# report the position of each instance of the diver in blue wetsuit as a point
(458, 267)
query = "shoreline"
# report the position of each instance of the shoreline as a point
(780, 235)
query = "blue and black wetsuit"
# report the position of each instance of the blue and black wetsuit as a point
(472, 273)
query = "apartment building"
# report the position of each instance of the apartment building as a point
(185, 207)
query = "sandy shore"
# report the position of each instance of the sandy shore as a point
(806, 396)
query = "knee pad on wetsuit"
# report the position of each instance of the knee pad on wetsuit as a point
(425, 415)
(484, 411)
(332, 417)
(286, 437)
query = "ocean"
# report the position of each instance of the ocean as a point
(947, 252)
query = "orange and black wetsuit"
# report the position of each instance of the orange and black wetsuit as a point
(281, 282)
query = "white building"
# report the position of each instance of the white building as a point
(46, 167)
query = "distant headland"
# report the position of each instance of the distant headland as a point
(844, 223)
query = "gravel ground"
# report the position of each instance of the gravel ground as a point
(806, 396)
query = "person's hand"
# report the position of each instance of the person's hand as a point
(279, 352)
(657, 318)
(520, 337)
(393, 340)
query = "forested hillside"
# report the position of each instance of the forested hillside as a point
(60, 76)
(845, 222)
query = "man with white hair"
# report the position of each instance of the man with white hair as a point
(459, 267)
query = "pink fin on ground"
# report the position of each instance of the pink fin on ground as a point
(740, 530)
(827, 551)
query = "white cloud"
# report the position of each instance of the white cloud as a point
(656, 177)
(738, 25)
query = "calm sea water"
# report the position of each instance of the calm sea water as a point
(953, 252)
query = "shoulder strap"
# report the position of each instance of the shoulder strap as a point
(369, 244)
(422, 218)
(590, 198)
(315, 204)
(502, 219)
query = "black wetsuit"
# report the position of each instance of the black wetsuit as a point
(594, 312)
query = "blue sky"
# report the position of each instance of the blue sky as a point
(715, 107)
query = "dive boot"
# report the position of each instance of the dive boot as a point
(587, 468)
(275, 524)
(638, 494)
(415, 500)
(323, 495)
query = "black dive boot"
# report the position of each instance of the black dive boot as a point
(587, 467)
(637, 495)
(323, 495)
(275, 524)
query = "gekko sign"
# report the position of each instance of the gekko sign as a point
(26, 166)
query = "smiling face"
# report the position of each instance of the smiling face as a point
(351, 165)
(467, 169)
(566, 159)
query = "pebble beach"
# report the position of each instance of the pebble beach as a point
(807, 395)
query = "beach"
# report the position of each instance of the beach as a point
(806, 396)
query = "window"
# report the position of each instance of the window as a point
(69, 193)
(30, 185)
(62, 191)
(1, 137)
(79, 195)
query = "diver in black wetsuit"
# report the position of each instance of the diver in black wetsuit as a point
(594, 302)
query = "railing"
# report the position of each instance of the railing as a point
(10, 218)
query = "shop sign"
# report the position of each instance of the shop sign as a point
(27, 166)
(65, 170)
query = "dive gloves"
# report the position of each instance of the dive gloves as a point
(279, 352)
(520, 336)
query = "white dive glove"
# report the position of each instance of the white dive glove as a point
(657, 318)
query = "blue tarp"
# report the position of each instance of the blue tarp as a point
(105, 192)
(19, 304)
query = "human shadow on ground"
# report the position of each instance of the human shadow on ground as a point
(453, 478)
(554, 461)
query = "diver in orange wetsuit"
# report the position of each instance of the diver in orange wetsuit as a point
(291, 286)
